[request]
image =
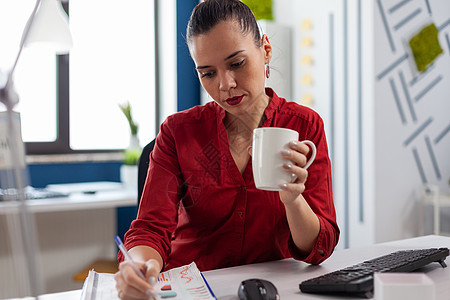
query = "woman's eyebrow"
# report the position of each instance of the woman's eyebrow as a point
(233, 54)
(227, 58)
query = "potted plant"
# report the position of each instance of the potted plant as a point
(129, 169)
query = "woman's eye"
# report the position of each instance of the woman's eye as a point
(207, 74)
(238, 63)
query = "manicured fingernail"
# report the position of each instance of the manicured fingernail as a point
(293, 143)
(287, 166)
(285, 152)
(283, 186)
(151, 294)
(152, 280)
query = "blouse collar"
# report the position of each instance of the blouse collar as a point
(272, 107)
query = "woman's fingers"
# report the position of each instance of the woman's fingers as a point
(297, 153)
(125, 291)
(300, 173)
(294, 189)
(130, 286)
(152, 269)
(299, 146)
(297, 157)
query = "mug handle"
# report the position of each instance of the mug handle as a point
(313, 154)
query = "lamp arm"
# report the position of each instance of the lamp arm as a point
(7, 94)
(9, 97)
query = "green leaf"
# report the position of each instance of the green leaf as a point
(131, 156)
(126, 109)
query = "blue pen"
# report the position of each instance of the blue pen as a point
(132, 264)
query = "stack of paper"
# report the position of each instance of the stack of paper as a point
(179, 283)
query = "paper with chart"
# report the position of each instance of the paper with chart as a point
(185, 282)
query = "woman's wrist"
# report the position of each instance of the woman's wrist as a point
(293, 202)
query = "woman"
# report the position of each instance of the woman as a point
(200, 202)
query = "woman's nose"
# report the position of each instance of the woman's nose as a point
(226, 81)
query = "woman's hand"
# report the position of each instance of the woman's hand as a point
(130, 286)
(297, 155)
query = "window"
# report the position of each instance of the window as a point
(112, 61)
(35, 74)
(71, 103)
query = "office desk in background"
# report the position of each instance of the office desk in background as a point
(72, 231)
(76, 201)
(287, 274)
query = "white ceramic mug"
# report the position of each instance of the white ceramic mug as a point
(267, 162)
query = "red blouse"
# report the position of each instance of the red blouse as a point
(196, 205)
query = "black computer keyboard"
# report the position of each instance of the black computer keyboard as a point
(358, 279)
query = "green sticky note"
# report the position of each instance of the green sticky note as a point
(167, 294)
(425, 47)
(262, 9)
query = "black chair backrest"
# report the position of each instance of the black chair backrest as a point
(144, 160)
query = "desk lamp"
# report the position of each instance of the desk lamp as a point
(47, 26)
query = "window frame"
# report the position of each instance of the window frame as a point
(62, 143)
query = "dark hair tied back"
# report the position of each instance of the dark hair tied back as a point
(209, 13)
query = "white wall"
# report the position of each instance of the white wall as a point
(280, 65)
(414, 156)
(335, 94)
(376, 177)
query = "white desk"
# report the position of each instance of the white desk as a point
(116, 196)
(72, 232)
(77, 201)
(287, 274)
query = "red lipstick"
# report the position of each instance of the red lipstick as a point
(235, 100)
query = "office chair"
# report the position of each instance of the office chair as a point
(144, 160)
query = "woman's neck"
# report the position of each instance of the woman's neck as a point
(246, 122)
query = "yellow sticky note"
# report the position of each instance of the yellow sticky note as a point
(307, 99)
(306, 60)
(306, 41)
(307, 80)
(306, 24)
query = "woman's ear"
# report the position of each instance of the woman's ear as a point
(267, 48)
